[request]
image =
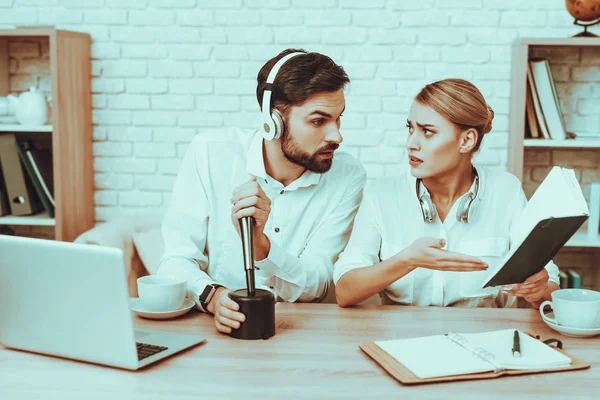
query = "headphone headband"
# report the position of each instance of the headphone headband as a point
(278, 65)
(272, 125)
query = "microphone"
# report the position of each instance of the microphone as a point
(247, 231)
(258, 305)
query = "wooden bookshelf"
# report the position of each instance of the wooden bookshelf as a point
(25, 128)
(70, 129)
(520, 56)
(40, 219)
(564, 144)
(519, 146)
(581, 239)
(572, 41)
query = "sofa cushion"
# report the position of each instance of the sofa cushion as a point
(150, 247)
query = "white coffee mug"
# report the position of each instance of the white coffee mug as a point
(574, 308)
(161, 294)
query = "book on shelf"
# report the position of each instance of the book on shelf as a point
(564, 280)
(533, 108)
(545, 103)
(573, 279)
(532, 126)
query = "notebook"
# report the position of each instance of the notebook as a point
(471, 353)
(554, 213)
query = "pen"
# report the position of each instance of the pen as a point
(516, 350)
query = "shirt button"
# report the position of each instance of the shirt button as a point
(276, 229)
(271, 287)
(266, 181)
(281, 192)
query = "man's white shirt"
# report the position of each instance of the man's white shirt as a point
(308, 226)
(390, 219)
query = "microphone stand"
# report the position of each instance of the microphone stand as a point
(258, 305)
(247, 231)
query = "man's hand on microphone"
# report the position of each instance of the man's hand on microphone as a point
(249, 200)
(225, 311)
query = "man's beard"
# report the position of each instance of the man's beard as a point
(293, 152)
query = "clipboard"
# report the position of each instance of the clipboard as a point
(406, 377)
(543, 242)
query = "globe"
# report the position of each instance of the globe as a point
(584, 10)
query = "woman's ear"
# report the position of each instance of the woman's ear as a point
(467, 140)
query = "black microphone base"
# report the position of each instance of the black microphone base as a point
(260, 314)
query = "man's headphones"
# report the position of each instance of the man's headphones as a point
(272, 124)
(464, 211)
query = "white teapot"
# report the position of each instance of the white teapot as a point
(31, 108)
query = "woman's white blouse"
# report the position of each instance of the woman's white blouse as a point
(390, 219)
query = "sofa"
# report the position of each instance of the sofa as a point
(140, 239)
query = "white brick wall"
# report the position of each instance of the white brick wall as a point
(166, 70)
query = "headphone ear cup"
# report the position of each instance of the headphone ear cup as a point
(427, 208)
(268, 128)
(277, 123)
(471, 207)
(464, 209)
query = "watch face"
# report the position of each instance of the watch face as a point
(205, 293)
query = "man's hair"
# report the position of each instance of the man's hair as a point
(299, 78)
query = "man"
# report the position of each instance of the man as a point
(303, 198)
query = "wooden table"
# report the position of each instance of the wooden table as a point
(314, 355)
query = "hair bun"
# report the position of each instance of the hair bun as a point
(488, 127)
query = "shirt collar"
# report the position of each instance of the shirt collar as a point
(255, 165)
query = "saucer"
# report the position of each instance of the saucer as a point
(138, 308)
(572, 332)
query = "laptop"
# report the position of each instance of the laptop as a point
(71, 300)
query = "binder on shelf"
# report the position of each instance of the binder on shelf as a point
(4, 206)
(548, 98)
(467, 356)
(21, 194)
(38, 164)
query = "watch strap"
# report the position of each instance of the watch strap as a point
(207, 294)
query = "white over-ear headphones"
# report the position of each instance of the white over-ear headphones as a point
(464, 211)
(272, 125)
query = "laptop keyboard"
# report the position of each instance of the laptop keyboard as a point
(146, 350)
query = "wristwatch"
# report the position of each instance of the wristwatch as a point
(207, 295)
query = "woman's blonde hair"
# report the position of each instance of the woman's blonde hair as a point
(461, 103)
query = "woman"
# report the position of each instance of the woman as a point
(426, 238)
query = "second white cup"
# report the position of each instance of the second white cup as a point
(160, 294)
(574, 308)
